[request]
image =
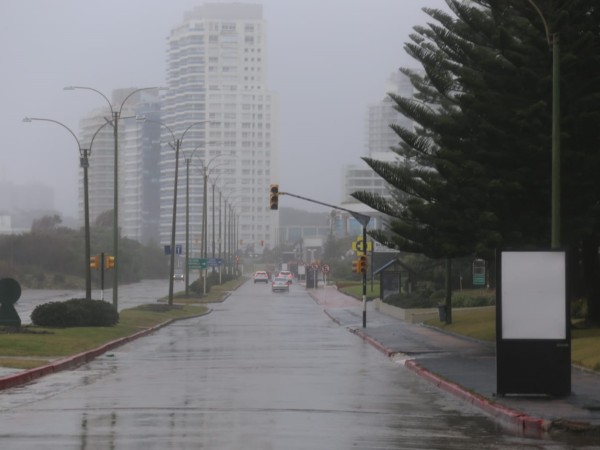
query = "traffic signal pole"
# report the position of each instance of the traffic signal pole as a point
(102, 276)
(364, 279)
(362, 218)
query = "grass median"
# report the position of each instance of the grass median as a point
(35, 346)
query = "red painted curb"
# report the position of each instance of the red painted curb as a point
(530, 426)
(72, 361)
(527, 424)
(375, 343)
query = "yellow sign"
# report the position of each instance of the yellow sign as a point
(359, 246)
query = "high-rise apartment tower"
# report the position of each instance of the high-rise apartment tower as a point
(218, 104)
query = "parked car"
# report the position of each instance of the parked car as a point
(286, 274)
(261, 277)
(280, 284)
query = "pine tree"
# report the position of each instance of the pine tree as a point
(475, 173)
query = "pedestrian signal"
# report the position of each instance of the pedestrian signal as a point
(274, 197)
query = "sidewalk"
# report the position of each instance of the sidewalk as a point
(466, 368)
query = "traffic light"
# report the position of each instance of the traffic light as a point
(109, 262)
(355, 266)
(94, 262)
(362, 265)
(274, 197)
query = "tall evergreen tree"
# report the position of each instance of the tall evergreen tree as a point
(474, 174)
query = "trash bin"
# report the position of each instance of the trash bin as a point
(442, 312)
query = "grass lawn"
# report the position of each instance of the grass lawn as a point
(480, 323)
(35, 346)
(355, 290)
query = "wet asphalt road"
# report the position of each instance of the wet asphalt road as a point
(262, 371)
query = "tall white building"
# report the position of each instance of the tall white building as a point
(219, 105)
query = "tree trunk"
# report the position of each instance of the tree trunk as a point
(591, 277)
(448, 291)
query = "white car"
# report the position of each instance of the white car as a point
(286, 274)
(261, 276)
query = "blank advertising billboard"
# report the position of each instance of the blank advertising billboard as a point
(533, 290)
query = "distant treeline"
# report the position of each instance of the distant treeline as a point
(52, 256)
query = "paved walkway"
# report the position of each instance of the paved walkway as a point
(466, 368)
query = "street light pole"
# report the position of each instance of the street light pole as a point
(84, 154)
(176, 145)
(115, 115)
(206, 168)
(553, 41)
(174, 221)
(188, 160)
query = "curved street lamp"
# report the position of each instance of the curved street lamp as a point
(207, 168)
(188, 160)
(84, 154)
(176, 145)
(115, 115)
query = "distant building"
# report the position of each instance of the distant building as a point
(296, 225)
(217, 72)
(381, 138)
(5, 224)
(140, 187)
(21, 204)
(25, 197)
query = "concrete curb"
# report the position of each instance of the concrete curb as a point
(530, 426)
(375, 343)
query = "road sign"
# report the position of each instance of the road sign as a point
(197, 263)
(178, 249)
(214, 262)
(359, 246)
(325, 268)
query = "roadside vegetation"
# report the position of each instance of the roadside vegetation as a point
(51, 256)
(33, 346)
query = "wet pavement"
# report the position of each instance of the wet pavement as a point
(261, 371)
(467, 368)
(265, 371)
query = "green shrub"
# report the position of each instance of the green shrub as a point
(77, 312)
(470, 299)
(462, 299)
(579, 308)
(415, 300)
(440, 294)
(197, 287)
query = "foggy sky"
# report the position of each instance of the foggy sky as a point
(327, 59)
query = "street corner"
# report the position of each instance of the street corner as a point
(374, 342)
